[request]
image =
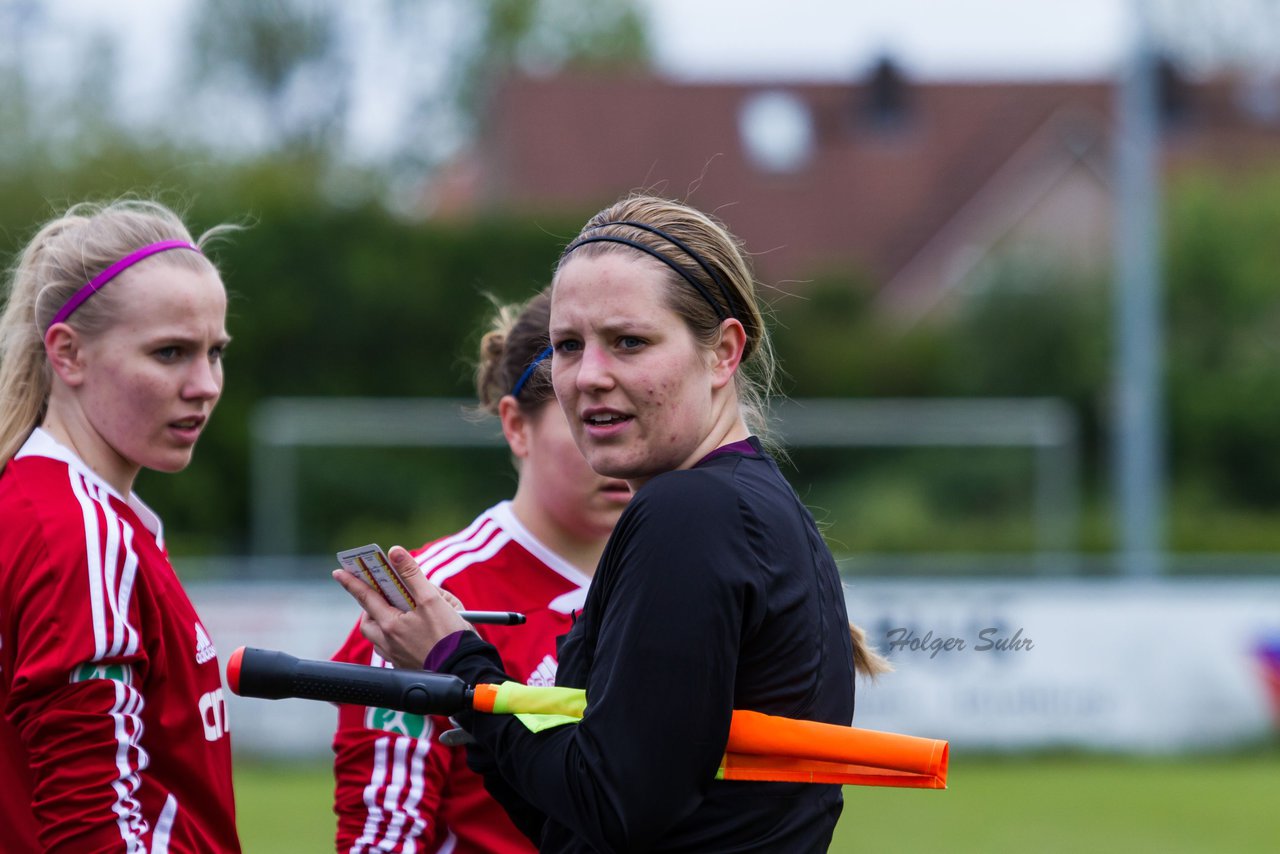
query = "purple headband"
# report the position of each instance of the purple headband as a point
(96, 283)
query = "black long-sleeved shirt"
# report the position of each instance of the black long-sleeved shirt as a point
(716, 592)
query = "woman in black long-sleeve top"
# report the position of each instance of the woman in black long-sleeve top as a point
(715, 592)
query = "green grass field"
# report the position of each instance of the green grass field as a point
(1021, 805)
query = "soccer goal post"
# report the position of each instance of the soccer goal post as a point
(281, 427)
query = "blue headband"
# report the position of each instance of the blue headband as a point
(528, 372)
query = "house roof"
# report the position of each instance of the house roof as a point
(888, 166)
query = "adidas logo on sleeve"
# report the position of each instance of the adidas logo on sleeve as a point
(204, 647)
(544, 676)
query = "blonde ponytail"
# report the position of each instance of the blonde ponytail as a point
(867, 660)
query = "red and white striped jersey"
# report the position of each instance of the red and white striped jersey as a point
(398, 788)
(113, 728)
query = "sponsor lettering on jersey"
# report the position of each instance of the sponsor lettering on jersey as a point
(213, 713)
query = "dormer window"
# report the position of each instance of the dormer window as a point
(886, 95)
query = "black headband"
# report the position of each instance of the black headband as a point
(688, 250)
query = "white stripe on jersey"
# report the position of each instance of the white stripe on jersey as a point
(125, 638)
(417, 779)
(439, 565)
(110, 557)
(465, 534)
(108, 595)
(128, 729)
(112, 635)
(441, 560)
(389, 809)
(92, 558)
(391, 799)
(128, 575)
(119, 537)
(458, 560)
(164, 826)
(376, 779)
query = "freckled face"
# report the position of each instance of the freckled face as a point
(151, 380)
(634, 384)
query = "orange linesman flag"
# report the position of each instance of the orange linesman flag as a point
(762, 747)
(767, 747)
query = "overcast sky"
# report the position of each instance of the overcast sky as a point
(827, 39)
(820, 38)
(774, 40)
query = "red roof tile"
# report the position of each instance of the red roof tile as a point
(872, 194)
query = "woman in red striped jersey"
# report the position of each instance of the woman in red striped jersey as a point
(113, 730)
(397, 787)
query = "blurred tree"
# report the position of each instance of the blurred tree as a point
(391, 86)
(1208, 35)
(16, 20)
(462, 50)
(545, 36)
(51, 108)
(272, 69)
(1224, 324)
(351, 300)
(378, 93)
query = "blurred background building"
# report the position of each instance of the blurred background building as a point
(917, 183)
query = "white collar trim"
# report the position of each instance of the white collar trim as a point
(506, 517)
(42, 444)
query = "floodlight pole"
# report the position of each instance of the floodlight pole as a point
(1138, 444)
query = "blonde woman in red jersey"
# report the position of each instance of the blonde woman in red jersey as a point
(397, 787)
(113, 730)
